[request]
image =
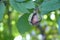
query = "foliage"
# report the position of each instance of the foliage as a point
(25, 8)
(2, 10)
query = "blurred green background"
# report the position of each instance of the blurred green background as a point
(14, 15)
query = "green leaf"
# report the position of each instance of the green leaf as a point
(23, 24)
(20, 0)
(58, 21)
(2, 9)
(49, 5)
(30, 5)
(20, 7)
